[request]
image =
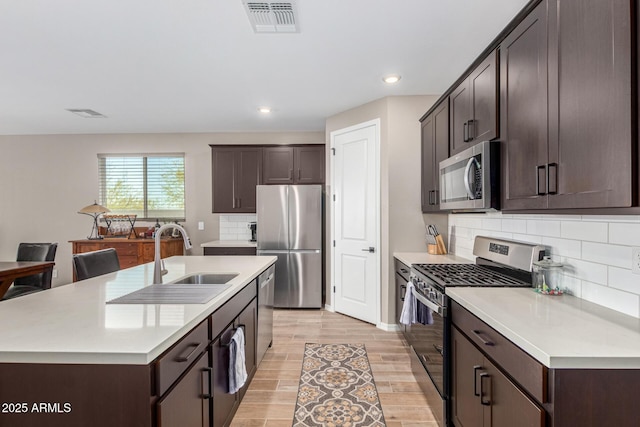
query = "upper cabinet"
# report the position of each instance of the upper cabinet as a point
(235, 171)
(293, 164)
(574, 147)
(435, 148)
(474, 106)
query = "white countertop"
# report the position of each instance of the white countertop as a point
(558, 331)
(229, 244)
(72, 323)
(409, 258)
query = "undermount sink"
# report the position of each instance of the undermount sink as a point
(206, 278)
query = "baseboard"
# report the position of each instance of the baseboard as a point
(389, 327)
(329, 308)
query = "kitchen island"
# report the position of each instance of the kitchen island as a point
(67, 358)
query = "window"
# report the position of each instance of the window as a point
(150, 186)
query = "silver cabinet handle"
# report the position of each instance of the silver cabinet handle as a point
(370, 249)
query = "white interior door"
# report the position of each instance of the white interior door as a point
(355, 215)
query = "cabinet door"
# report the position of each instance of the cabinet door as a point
(504, 404)
(224, 404)
(248, 174)
(459, 101)
(484, 94)
(467, 364)
(278, 165)
(401, 288)
(591, 129)
(427, 163)
(309, 164)
(222, 174)
(187, 404)
(248, 319)
(441, 146)
(523, 112)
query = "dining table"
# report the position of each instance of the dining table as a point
(11, 270)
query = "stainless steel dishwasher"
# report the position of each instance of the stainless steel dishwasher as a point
(266, 286)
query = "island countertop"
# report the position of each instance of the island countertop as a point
(562, 332)
(73, 323)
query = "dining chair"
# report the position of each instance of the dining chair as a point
(91, 264)
(37, 282)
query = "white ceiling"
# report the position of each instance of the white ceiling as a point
(197, 66)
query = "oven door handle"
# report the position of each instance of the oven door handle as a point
(441, 311)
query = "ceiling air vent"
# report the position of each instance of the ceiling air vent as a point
(276, 17)
(87, 113)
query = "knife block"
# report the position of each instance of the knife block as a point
(439, 248)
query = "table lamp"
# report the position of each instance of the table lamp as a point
(94, 211)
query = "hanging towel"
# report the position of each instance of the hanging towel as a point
(424, 315)
(237, 365)
(408, 315)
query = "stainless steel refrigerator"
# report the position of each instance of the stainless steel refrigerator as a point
(290, 227)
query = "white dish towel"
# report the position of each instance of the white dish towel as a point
(237, 364)
(408, 315)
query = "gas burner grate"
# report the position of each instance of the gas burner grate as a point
(466, 275)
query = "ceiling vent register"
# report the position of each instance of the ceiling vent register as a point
(276, 17)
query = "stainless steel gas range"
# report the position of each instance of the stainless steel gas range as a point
(499, 263)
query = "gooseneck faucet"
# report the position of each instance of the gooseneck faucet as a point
(157, 262)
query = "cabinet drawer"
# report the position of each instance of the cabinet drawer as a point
(230, 250)
(178, 358)
(229, 311)
(127, 261)
(524, 369)
(402, 270)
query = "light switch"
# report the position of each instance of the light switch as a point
(200, 225)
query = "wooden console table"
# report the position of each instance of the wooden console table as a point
(131, 252)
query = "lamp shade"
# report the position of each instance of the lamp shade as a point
(94, 209)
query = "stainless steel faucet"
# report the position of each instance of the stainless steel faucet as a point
(158, 271)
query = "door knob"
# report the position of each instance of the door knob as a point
(370, 249)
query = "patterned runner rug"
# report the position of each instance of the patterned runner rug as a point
(337, 389)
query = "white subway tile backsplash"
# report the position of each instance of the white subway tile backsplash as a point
(623, 279)
(590, 231)
(543, 228)
(595, 250)
(596, 273)
(624, 302)
(514, 225)
(619, 256)
(624, 234)
(564, 247)
(235, 227)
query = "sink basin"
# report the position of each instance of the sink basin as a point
(206, 278)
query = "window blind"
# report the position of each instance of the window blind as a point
(150, 186)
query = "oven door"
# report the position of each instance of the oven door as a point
(466, 179)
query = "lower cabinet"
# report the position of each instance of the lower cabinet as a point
(230, 250)
(189, 401)
(482, 395)
(402, 277)
(224, 404)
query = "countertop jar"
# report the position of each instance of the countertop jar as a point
(547, 275)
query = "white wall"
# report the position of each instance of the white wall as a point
(46, 179)
(595, 250)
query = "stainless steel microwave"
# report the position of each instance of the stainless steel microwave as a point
(469, 181)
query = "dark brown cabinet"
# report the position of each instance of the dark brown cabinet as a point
(482, 396)
(224, 404)
(188, 402)
(236, 170)
(583, 156)
(434, 149)
(293, 164)
(230, 250)
(474, 106)
(402, 277)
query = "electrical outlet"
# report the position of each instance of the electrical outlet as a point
(635, 260)
(201, 225)
(54, 274)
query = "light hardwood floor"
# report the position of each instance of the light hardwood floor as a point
(271, 397)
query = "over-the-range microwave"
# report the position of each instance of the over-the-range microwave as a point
(470, 180)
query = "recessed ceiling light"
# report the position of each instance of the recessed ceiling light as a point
(87, 113)
(391, 78)
(264, 110)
